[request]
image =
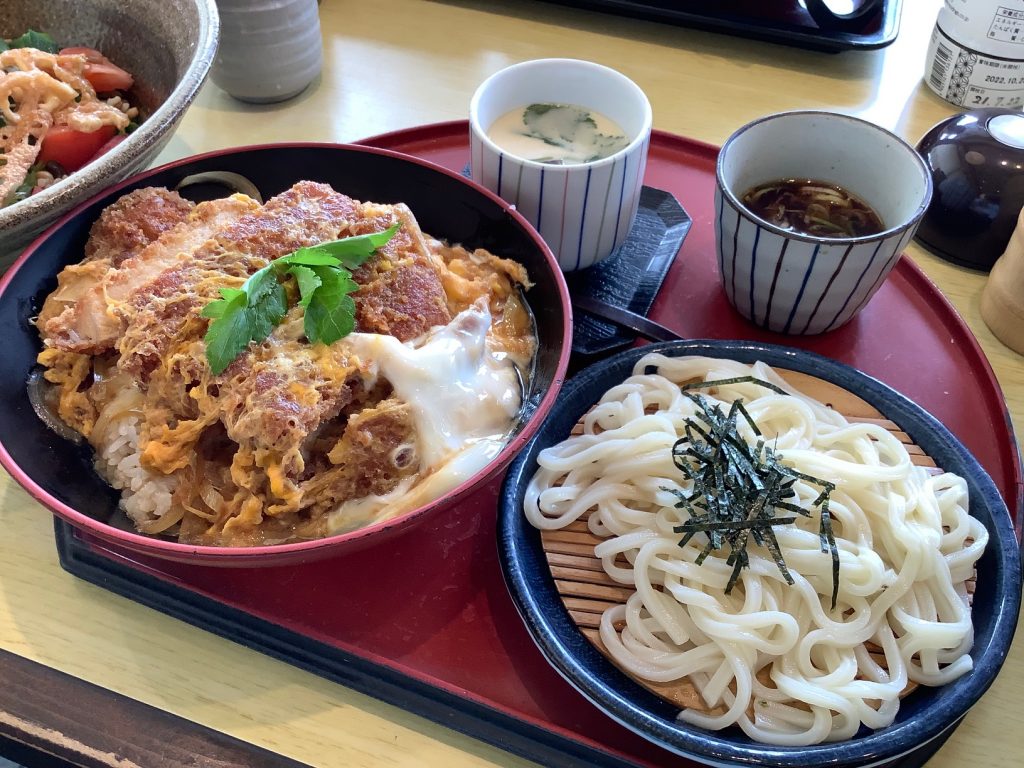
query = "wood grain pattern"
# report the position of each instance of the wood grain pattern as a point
(85, 725)
(381, 75)
(587, 591)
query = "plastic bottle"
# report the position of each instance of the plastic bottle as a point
(976, 55)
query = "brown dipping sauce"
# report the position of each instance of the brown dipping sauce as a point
(812, 208)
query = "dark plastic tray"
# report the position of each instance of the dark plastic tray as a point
(778, 21)
(362, 673)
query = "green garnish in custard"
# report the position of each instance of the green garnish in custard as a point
(321, 273)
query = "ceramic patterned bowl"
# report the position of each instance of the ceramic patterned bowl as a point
(583, 212)
(167, 45)
(795, 283)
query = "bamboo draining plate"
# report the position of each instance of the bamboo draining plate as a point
(922, 717)
(587, 591)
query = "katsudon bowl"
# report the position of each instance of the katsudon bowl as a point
(60, 474)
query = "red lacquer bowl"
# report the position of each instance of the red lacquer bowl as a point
(60, 475)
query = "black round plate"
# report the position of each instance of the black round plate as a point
(923, 716)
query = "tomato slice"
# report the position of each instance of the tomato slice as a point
(72, 149)
(91, 54)
(112, 142)
(103, 75)
(105, 78)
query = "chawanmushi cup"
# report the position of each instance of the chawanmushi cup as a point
(583, 212)
(796, 283)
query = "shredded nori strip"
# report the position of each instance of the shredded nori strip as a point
(738, 488)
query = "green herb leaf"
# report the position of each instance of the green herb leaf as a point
(349, 252)
(33, 39)
(24, 189)
(232, 296)
(331, 313)
(308, 282)
(227, 337)
(241, 319)
(260, 285)
(309, 257)
(3, 45)
(251, 312)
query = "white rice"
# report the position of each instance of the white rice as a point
(145, 495)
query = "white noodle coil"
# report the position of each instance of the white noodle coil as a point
(907, 547)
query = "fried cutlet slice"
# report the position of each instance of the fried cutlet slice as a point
(164, 314)
(133, 222)
(122, 230)
(99, 313)
(400, 292)
(375, 452)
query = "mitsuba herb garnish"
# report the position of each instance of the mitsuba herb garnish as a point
(738, 489)
(321, 273)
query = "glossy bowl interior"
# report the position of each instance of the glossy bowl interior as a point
(924, 715)
(60, 475)
(167, 45)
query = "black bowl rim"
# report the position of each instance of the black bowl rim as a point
(557, 637)
(265, 554)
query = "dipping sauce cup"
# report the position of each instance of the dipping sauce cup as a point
(584, 212)
(795, 283)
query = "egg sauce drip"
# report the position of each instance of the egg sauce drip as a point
(464, 399)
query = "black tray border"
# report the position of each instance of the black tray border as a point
(487, 724)
(828, 41)
(479, 721)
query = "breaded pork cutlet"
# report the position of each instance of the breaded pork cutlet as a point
(133, 222)
(92, 317)
(121, 232)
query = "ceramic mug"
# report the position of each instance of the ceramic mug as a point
(794, 283)
(270, 50)
(584, 212)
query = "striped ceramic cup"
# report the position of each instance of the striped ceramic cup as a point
(584, 212)
(802, 284)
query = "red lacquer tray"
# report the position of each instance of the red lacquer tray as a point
(434, 629)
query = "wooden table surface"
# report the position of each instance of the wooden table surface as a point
(390, 65)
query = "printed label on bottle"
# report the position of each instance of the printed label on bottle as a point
(967, 78)
(1007, 26)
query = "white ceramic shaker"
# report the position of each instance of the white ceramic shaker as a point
(270, 50)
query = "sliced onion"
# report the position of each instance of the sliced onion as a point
(37, 389)
(210, 497)
(165, 521)
(233, 181)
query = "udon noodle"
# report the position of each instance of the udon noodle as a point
(774, 659)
